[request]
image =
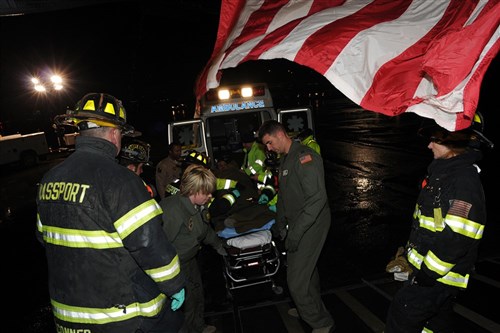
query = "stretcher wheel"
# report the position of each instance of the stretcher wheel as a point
(278, 290)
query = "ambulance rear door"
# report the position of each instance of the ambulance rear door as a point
(296, 120)
(191, 134)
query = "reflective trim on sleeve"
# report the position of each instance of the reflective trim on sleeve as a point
(76, 314)
(230, 198)
(415, 258)
(465, 227)
(451, 278)
(166, 272)
(137, 217)
(437, 265)
(455, 280)
(225, 184)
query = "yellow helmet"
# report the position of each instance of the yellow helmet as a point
(195, 157)
(96, 110)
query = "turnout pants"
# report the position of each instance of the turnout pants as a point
(415, 307)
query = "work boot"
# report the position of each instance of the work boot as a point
(209, 329)
(294, 313)
(326, 329)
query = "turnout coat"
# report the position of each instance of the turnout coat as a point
(111, 267)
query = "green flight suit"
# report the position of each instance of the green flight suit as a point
(303, 206)
(185, 229)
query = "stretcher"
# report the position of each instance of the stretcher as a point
(252, 258)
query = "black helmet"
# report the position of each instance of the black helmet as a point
(97, 110)
(195, 157)
(470, 137)
(305, 133)
(135, 151)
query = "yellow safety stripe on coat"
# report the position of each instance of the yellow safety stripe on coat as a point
(415, 258)
(84, 315)
(437, 265)
(264, 176)
(416, 212)
(137, 217)
(273, 201)
(464, 226)
(166, 272)
(96, 239)
(427, 330)
(252, 170)
(451, 278)
(455, 280)
(426, 222)
(224, 184)
(230, 198)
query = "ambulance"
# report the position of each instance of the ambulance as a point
(225, 113)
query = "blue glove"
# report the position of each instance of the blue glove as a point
(177, 300)
(263, 199)
(236, 193)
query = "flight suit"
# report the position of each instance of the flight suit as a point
(303, 206)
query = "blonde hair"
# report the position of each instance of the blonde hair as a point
(197, 179)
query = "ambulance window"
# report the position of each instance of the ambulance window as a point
(295, 122)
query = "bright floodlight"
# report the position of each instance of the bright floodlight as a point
(224, 94)
(56, 79)
(246, 92)
(40, 87)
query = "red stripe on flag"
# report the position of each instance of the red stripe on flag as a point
(376, 55)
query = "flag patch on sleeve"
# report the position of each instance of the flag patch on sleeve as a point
(305, 159)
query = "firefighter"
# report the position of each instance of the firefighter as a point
(111, 267)
(447, 227)
(134, 155)
(255, 155)
(306, 137)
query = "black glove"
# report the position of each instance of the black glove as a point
(423, 279)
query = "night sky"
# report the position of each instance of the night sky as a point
(146, 53)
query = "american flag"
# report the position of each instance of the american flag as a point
(389, 56)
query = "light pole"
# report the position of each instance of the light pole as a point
(45, 86)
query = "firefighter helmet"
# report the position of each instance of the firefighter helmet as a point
(96, 110)
(195, 157)
(135, 151)
(306, 132)
(470, 137)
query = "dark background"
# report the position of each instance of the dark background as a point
(146, 53)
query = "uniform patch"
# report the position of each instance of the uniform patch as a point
(460, 208)
(305, 159)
